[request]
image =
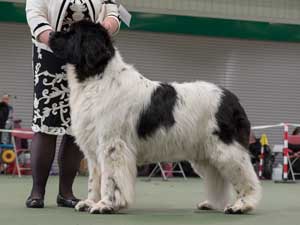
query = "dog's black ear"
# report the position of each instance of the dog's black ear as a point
(96, 53)
(66, 46)
(73, 48)
(97, 50)
(58, 43)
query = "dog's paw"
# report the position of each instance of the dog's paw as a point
(240, 207)
(101, 208)
(233, 210)
(84, 206)
(205, 206)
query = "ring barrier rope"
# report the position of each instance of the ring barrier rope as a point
(275, 125)
(17, 131)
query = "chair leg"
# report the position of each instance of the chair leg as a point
(17, 159)
(291, 169)
(292, 164)
(153, 172)
(159, 166)
(181, 170)
(162, 172)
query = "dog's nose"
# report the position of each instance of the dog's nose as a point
(51, 35)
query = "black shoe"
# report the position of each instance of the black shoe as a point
(63, 202)
(34, 203)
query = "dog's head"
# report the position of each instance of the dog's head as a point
(86, 45)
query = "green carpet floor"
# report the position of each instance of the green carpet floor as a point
(157, 202)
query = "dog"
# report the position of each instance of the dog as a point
(121, 119)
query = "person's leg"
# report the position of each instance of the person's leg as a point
(69, 161)
(42, 156)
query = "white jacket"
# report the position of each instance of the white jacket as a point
(49, 14)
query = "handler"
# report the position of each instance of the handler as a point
(51, 113)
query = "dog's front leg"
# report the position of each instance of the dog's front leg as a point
(118, 169)
(94, 187)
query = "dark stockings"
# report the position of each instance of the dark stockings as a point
(42, 156)
(69, 161)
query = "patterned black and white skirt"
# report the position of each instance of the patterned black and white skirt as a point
(51, 112)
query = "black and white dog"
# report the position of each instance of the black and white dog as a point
(120, 119)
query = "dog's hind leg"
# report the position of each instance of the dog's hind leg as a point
(233, 163)
(94, 184)
(118, 169)
(215, 186)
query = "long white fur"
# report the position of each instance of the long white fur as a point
(105, 112)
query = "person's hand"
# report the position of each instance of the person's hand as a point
(110, 24)
(44, 37)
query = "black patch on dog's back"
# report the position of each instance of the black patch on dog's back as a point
(159, 113)
(232, 120)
